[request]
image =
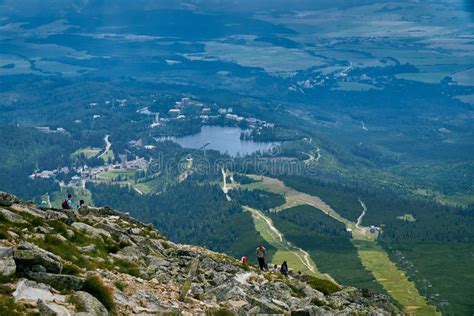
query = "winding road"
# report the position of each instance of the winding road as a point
(108, 144)
(359, 219)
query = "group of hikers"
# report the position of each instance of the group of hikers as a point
(262, 262)
(68, 204)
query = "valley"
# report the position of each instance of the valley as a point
(338, 134)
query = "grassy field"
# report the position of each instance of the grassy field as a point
(441, 271)
(427, 77)
(395, 282)
(88, 152)
(355, 86)
(113, 174)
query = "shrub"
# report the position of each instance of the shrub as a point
(96, 287)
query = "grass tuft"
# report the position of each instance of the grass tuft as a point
(96, 287)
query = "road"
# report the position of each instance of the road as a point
(359, 219)
(313, 157)
(225, 188)
(108, 144)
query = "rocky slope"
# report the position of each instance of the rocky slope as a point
(99, 261)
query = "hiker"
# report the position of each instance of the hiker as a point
(261, 257)
(81, 204)
(244, 260)
(67, 204)
(284, 268)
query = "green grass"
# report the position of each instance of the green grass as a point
(355, 86)
(96, 287)
(328, 244)
(427, 77)
(8, 307)
(395, 281)
(88, 152)
(325, 286)
(448, 268)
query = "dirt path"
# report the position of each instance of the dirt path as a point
(359, 219)
(225, 188)
(312, 157)
(108, 144)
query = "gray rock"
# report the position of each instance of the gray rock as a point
(91, 305)
(27, 290)
(134, 231)
(30, 210)
(6, 252)
(41, 230)
(91, 231)
(52, 309)
(58, 281)
(70, 234)
(28, 255)
(7, 199)
(10, 216)
(88, 249)
(13, 234)
(55, 215)
(7, 266)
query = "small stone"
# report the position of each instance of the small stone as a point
(13, 234)
(7, 266)
(88, 249)
(70, 234)
(41, 230)
(134, 231)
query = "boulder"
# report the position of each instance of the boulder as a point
(28, 255)
(89, 304)
(30, 291)
(55, 215)
(7, 199)
(10, 216)
(134, 231)
(30, 210)
(52, 309)
(91, 231)
(58, 281)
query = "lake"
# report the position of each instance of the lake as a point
(223, 139)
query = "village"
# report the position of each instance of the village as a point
(184, 109)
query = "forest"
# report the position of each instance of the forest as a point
(189, 213)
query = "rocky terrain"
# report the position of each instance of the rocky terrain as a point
(97, 261)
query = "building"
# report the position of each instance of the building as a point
(206, 111)
(232, 117)
(185, 101)
(174, 112)
(123, 161)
